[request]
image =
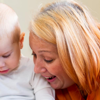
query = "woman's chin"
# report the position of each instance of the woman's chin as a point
(56, 85)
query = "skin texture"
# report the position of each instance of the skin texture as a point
(10, 53)
(47, 62)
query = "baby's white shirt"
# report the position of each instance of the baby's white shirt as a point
(24, 84)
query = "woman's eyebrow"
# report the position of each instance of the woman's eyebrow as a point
(45, 51)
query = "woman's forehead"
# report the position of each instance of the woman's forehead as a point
(40, 44)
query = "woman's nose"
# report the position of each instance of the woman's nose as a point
(39, 67)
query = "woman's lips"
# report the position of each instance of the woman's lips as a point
(50, 79)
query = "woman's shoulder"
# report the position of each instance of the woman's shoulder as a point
(70, 93)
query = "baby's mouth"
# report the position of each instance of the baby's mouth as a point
(4, 71)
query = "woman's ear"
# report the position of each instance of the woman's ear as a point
(21, 40)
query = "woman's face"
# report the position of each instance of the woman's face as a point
(48, 64)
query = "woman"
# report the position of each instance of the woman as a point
(65, 43)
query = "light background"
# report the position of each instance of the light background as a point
(26, 8)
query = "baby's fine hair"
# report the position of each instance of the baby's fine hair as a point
(9, 25)
(69, 26)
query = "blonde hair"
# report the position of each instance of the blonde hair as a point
(76, 34)
(9, 25)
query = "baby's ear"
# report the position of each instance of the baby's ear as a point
(21, 40)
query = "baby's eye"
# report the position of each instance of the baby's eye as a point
(48, 61)
(6, 56)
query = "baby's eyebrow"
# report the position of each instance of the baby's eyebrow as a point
(7, 52)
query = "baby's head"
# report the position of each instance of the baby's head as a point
(11, 39)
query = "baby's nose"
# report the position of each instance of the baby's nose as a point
(2, 64)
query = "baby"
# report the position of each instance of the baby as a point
(17, 78)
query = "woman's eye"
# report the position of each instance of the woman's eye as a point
(48, 61)
(34, 54)
(6, 56)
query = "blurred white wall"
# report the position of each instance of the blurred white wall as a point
(25, 9)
